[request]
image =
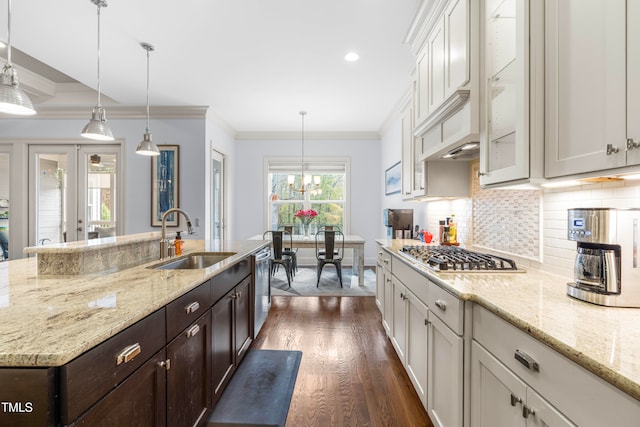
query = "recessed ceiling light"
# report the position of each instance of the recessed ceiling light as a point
(351, 57)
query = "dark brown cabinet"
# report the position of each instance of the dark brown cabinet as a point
(231, 334)
(138, 401)
(188, 374)
(167, 369)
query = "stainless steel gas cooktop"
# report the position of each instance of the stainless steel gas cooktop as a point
(455, 259)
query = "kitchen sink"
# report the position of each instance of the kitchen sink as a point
(193, 261)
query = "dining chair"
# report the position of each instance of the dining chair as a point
(278, 257)
(327, 227)
(288, 248)
(329, 250)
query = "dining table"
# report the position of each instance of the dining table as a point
(351, 241)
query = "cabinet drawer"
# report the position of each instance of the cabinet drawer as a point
(414, 281)
(186, 309)
(580, 395)
(227, 280)
(383, 258)
(448, 307)
(84, 380)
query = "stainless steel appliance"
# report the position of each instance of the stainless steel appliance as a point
(400, 220)
(606, 266)
(457, 260)
(262, 289)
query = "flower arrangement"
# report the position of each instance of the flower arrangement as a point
(305, 216)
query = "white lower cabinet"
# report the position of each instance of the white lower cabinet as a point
(417, 345)
(548, 389)
(399, 322)
(499, 398)
(445, 377)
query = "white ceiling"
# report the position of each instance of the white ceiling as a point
(256, 63)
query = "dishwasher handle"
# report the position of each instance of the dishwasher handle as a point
(263, 255)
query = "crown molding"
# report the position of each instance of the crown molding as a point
(308, 135)
(119, 112)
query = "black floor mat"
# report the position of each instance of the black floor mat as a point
(260, 391)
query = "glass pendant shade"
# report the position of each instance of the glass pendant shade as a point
(97, 127)
(13, 100)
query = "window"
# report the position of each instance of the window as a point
(326, 185)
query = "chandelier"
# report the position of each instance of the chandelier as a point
(305, 179)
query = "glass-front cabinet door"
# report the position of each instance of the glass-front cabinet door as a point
(505, 134)
(4, 206)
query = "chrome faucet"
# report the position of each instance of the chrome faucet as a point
(164, 242)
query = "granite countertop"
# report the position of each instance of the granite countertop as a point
(50, 320)
(603, 340)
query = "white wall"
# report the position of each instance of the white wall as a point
(188, 133)
(366, 184)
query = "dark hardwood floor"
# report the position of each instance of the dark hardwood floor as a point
(350, 374)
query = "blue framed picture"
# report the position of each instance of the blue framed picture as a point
(165, 185)
(393, 180)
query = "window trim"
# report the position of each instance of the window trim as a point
(295, 163)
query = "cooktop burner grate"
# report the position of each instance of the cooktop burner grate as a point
(452, 258)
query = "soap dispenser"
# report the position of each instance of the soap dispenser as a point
(178, 242)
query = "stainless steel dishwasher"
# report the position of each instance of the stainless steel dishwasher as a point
(262, 291)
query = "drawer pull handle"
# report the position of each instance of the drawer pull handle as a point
(515, 400)
(192, 331)
(441, 305)
(527, 361)
(194, 306)
(128, 354)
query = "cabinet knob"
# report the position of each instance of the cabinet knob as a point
(631, 144)
(611, 149)
(515, 400)
(526, 411)
(441, 305)
(166, 364)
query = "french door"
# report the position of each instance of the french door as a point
(74, 192)
(217, 199)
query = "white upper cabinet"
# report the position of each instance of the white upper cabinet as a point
(593, 85)
(512, 81)
(446, 103)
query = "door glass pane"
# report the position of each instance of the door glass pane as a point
(217, 199)
(51, 198)
(101, 195)
(4, 207)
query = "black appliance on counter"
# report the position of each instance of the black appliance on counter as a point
(456, 259)
(400, 220)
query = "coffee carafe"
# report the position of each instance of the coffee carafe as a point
(606, 269)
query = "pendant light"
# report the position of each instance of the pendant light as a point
(146, 146)
(13, 100)
(291, 178)
(97, 127)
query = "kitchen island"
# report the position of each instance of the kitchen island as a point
(47, 322)
(504, 310)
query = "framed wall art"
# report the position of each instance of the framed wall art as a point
(393, 180)
(165, 182)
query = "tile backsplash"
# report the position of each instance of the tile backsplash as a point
(506, 220)
(530, 225)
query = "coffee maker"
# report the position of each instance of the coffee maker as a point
(606, 269)
(398, 220)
